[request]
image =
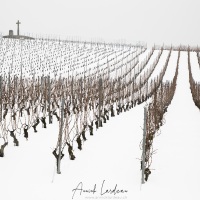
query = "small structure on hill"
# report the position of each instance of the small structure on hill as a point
(18, 36)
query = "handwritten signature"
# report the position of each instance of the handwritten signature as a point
(80, 189)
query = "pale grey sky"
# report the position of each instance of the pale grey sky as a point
(151, 21)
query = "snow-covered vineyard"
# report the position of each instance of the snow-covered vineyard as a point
(92, 112)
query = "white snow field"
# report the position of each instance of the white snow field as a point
(110, 159)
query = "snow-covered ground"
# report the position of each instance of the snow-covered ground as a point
(111, 156)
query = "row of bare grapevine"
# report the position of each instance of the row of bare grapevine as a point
(178, 48)
(194, 85)
(156, 109)
(88, 100)
(37, 98)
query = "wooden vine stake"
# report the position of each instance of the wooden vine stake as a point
(9, 87)
(60, 135)
(1, 98)
(119, 88)
(49, 99)
(45, 94)
(21, 92)
(72, 91)
(100, 98)
(143, 145)
(81, 93)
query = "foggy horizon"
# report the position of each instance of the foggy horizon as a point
(151, 22)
